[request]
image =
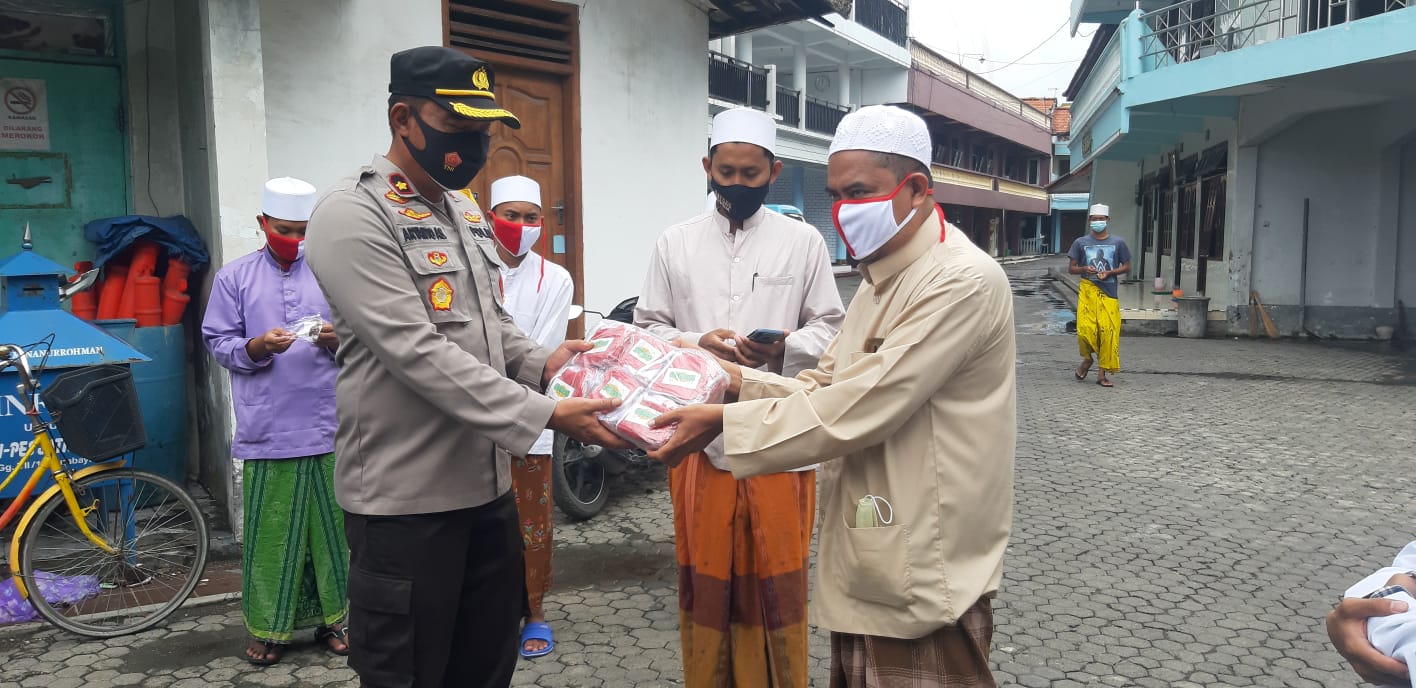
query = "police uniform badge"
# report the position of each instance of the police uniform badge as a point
(413, 214)
(437, 258)
(471, 217)
(440, 295)
(393, 196)
(401, 186)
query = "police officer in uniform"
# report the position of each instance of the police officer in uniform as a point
(437, 389)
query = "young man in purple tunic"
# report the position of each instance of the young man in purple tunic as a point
(295, 560)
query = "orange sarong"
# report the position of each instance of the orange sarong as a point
(742, 549)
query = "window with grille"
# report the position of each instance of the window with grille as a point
(1213, 192)
(1187, 220)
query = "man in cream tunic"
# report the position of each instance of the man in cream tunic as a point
(742, 546)
(917, 396)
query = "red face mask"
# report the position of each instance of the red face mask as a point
(285, 249)
(516, 238)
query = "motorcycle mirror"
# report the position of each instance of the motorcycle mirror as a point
(84, 281)
(575, 312)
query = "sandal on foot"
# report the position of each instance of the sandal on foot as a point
(334, 633)
(1105, 383)
(537, 630)
(1081, 373)
(271, 652)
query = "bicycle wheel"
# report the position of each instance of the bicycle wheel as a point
(160, 543)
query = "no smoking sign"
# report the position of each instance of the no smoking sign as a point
(21, 100)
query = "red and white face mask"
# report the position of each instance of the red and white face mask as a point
(866, 224)
(516, 238)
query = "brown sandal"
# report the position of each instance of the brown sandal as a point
(271, 652)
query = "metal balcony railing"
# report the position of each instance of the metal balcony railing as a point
(789, 106)
(1193, 29)
(736, 81)
(822, 117)
(885, 17)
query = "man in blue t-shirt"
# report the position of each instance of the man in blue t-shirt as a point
(1099, 257)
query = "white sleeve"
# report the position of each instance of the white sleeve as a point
(1405, 562)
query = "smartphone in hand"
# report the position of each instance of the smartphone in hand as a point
(763, 336)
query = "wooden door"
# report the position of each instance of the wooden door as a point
(537, 150)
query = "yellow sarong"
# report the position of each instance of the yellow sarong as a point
(1099, 326)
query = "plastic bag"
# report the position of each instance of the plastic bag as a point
(631, 421)
(647, 374)
(307, 328)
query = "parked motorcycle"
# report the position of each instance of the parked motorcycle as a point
(580, 472)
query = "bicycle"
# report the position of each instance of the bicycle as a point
(107, 549)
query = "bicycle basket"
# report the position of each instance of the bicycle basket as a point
(96, 411)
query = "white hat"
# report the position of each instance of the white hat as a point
(516, 188)
(884, 129)
(1100, 210)
(741, 125)
(288, 198)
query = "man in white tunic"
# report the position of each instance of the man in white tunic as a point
(742, 546)
(537, 294)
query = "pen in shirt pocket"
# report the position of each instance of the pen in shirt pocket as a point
(754, 281)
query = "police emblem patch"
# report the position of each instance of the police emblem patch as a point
(413, 214)
(440, 295)
(452, 161)
(437, 258)
(480, 80)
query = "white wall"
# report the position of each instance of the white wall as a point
(883, 86)
(155, 162)
(643, 96)
(326, 80)
(1337, 161)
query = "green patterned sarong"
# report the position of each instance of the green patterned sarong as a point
(295, 563)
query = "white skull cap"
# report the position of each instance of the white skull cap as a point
(884, 129)
(516, 188)
(1100, 210)
(288, 198)
(741, 125)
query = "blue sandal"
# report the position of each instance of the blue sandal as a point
(537, 630)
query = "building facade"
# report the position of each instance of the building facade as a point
(808, 74)
(1261, 148)
(992, 153)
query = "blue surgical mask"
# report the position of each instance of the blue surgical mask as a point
(1098, 226)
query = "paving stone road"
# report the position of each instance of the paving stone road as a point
(1188, 528)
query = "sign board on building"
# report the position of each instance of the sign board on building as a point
(24, 115)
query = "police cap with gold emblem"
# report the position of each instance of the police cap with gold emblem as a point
(458, 82)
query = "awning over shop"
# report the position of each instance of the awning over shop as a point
(1078, 181)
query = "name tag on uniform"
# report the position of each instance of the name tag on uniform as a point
(873, 345)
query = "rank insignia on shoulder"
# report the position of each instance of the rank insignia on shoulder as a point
(437, 258)
(400, 185)
(469, 194)
(413, 214)
(472, 217)
(440, 295)
(393, 196)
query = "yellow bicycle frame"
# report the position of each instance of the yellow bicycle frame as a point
(62, 483)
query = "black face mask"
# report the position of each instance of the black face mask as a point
(452, 160)
(739, 202)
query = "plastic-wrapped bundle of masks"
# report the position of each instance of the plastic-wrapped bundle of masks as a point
(647, 374)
